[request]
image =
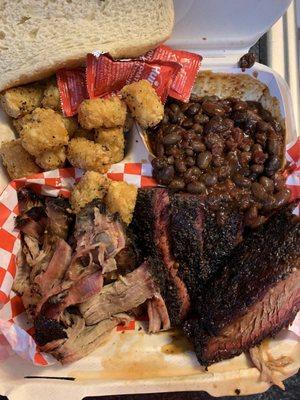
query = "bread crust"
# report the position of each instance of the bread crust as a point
(47, 71)
(43, 73)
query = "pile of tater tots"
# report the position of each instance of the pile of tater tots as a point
(92, 140)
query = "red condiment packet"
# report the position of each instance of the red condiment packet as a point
(105, 76)
(161, 76)
(72, 87)
(190, 63)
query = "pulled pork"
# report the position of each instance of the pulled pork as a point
(63, 273)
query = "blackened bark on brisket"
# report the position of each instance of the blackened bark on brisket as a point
(143, 221)
(223, 230)
(201, 238)
(186, 233)
(189, 237)
(256, 295)
(167, 287)
(151, 224)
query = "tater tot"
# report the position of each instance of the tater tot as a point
(97, 113)
(87, 134)
(71, 125)
(51, 97)
(113, 140)
(52, 159)
(19, 122)
(121, 198)
(92, 185)
(44, 130)
(144, 103)
(83, 153)
(22, 100)
(17, 160)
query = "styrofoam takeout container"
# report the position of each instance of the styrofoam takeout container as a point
(134, 362)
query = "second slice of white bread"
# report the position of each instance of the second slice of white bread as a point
(39, 36)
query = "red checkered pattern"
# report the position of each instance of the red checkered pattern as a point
(14, 325)
(135, 173)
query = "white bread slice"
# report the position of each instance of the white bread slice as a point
(39, 36)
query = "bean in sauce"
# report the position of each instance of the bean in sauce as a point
(222, 148)
(204, 159)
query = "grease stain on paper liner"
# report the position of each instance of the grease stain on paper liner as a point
(131, 367)
(179, 344)
(129, 363)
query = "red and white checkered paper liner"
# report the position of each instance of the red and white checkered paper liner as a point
(15, 329)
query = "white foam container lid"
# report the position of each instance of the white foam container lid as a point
(221, 31)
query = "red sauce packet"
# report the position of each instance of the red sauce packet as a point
(190, 63)
(105, 76)
(72, 87)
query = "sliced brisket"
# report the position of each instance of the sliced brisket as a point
(188, 236)
(168, 288)
(256, 295)
(151, 225)
(186, 233)
(201, 239)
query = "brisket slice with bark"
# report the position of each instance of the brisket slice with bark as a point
(201, 238)
(257, 294)
(189, 237)
(151, 226)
